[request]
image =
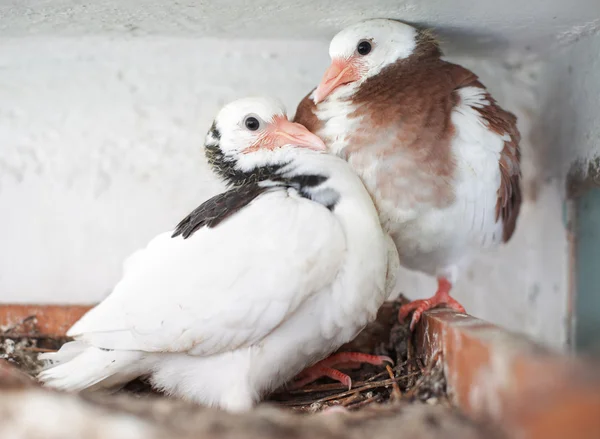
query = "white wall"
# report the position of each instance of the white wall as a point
(100, 149)
(570, 133)
(569, 87)
(101, 146)
(482, 26)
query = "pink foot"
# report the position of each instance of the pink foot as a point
(441, 297)
(325, 368)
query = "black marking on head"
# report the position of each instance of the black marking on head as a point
(226, 168)
(245, 188)
(214, 131)
(213, 136)
(220, 207)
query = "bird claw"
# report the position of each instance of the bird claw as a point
(422, 305)
(325, 368)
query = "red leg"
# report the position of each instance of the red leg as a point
(325, 368)
(351, 359)
(442, 297)
(315, 372)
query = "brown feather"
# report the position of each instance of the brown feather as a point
(305, 114)
(509, 201)
(418, 94)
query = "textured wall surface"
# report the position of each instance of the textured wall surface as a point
(570, 85)
(101, 148)
(467, 25)
(570, 89)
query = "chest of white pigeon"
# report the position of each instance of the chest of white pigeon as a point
(332, 286)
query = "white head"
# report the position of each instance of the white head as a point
(362, 50)
(254, 132)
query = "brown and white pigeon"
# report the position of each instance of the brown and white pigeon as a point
(438, 154)
(253, 286)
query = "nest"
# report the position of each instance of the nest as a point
(409, 383)
(408, 380)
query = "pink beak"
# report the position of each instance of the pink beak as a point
(283, 132)
(340, 72)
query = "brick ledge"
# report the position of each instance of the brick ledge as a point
(492, 374)
(498, 375)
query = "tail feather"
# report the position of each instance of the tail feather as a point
(81, 366)
(67, 352)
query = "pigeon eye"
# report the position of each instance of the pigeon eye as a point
(363, 48)
(252, 123)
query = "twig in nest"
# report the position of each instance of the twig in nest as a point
(396, 393)
(42, 350)
(36, 336)
(426, 373)
(359, 388)
(316, 388)
(352, 398)
(370, 400)
(410, 360)
(365, 386)
(397, 368)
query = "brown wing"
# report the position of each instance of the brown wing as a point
(305, 114)
(504, 123)
(509, 193)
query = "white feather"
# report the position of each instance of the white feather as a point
(234, 311)
(90, 367)
(440, 242)
(435, 241)
(226, 287)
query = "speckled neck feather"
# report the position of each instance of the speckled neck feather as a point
(226, 167)
(245, 186)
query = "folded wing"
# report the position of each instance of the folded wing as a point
(222, 288)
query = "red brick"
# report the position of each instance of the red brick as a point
(51, 319)
(497, 375)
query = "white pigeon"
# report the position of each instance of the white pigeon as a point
(253, 286)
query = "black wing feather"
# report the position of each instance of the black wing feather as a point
(213, 211)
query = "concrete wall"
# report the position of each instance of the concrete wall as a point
(100, 149)
(569, 88)
(570, 129)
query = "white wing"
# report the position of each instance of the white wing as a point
(477, 149)
(222, 288)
